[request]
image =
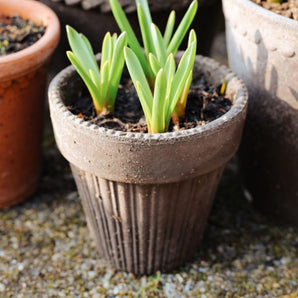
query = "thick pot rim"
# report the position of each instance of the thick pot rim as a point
(263, 12)
(215, 126)
(34, 55)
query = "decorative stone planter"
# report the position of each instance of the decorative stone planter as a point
(84, 21)
(22, 91)
(147, 197)
(263, 51)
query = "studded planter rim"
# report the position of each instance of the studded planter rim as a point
(263, 51)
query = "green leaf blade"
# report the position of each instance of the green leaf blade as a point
(158, 116)
(186, 90)
(82, 50)
(136, 72)
(160, 50)
(170, 72)
(169, 28)
(125, 26)
(145, 7)
(92, 88)
(104, 80)
(183, 28)
(116, 68)
(144, 99)
(155, 66)
(145, 30)
(105, 50)
(192, 37)
(180, 78)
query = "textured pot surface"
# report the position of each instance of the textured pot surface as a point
(145, 228)
(147, 196)
(22, 91)
(263, 51)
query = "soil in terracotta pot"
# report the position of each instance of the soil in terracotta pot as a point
(205, 104)
(287, 9)
(17, 34)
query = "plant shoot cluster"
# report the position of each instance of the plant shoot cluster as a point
(161, 85)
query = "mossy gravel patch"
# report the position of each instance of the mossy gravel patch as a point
(46, 249)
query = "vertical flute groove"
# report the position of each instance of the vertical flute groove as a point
(146, 228)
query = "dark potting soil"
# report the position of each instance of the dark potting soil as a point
(204, 104)
(17, 34)
(287, 9)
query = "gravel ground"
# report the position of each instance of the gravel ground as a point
(46, 249)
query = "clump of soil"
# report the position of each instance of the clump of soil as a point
(17, 34)
(204, 104)
(287, 9)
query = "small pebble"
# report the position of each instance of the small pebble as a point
(2, 287)
(288, 9)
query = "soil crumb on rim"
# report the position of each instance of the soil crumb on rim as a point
(288, 9)
(17, 34)
(204, 104)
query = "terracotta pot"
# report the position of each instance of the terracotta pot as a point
(263, 51)
(147, 197)
(82, 20)
(22, 91)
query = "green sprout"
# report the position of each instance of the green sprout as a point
(102, 82)
(169, 86)
(158, 47)
(168, 43)
(3, 46)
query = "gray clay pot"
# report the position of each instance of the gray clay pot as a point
(263, 51)
(147, 197)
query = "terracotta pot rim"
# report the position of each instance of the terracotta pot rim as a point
(263, 12)
(42, 13)
(167, 137)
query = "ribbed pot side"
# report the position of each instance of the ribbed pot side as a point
(263, 51)
(22, 94)
(147, 197)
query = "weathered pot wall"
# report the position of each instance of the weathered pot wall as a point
(147, 197)
(21, 107)
(22, 91)
(262, 50)
(143, 228)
